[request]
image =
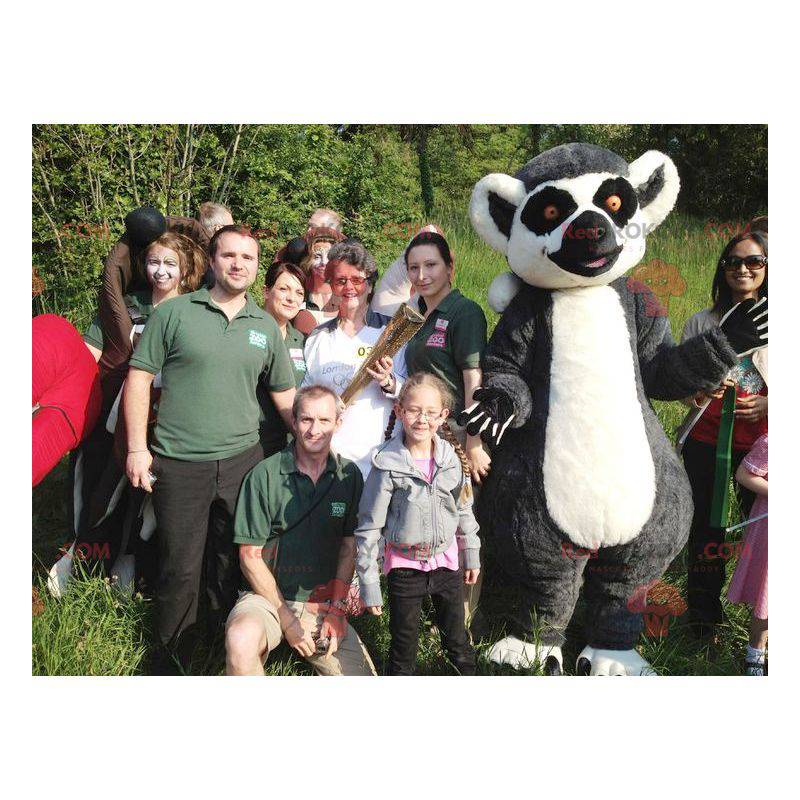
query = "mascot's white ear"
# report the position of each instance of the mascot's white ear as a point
(503, 290)
(494, 201)
(655, 179)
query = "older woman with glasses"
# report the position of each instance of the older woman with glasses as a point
(741, 274)
(335, 350)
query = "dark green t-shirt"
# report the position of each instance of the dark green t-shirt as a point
(272, 430)
(210, 369)
(299, 524)
(451, 340)
(139, 305)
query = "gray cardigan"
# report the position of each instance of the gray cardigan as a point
(400, 505)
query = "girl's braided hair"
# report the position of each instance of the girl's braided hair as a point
(426, 379)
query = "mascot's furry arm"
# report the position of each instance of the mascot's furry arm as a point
(670, 371)
(507, 362)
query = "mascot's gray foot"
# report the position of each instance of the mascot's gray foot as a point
(61, 573)
(123, 574)
(515, 653)
(611, 662)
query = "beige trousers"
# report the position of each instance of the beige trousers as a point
(350, 658)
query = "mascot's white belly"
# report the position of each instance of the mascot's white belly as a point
(599, 477)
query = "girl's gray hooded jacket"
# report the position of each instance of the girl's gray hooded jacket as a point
(400, 505)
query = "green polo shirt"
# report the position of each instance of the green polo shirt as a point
(299, 524)
(451, 340)
(272, 430)
(210, 368)
(139, 305)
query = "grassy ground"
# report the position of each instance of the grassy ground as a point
(92, 631)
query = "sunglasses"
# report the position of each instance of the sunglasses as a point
(751, 262)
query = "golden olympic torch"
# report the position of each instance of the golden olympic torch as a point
(401, 328)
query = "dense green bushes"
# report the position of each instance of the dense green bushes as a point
(87, 177)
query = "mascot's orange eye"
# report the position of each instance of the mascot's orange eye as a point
(613, 203)
(551, 212)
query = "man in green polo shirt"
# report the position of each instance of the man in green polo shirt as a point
(211, 347)
(294, 525)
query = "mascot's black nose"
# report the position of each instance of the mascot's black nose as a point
(588, 246)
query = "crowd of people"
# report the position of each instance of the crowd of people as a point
(233, 484)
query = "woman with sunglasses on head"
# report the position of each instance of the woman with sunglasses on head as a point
(336, 349)
(741, 275)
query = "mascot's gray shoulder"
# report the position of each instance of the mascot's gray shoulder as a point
(639, 300)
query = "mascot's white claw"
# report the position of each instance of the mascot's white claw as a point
(612, 662)
(61, 574)
(502, 291)
(515, 653)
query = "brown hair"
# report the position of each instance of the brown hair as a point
(191, 259)
(276, 270)
(242, 230)
(446, 396)
(315, 392)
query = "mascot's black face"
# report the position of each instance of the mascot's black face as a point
(576, 215)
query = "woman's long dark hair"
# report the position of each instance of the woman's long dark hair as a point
(721, 294)
(437, 240)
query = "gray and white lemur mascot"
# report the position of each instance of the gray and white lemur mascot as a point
(579, 458)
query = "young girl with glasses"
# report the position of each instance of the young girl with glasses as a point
(741, 274)
(418, 499)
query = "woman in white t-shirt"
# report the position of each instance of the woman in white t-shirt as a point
(336, 349)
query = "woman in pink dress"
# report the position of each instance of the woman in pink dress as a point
(749, 583)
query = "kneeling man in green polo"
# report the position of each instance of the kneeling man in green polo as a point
(212, 347)
(294, 525)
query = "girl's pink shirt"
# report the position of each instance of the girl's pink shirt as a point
(393, 558)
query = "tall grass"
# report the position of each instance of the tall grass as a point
(92, 631)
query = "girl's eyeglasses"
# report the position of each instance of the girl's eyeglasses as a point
(732, 263)
(417, 413)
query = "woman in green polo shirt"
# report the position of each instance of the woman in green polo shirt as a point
(451, 342)
(284, 294)
(173, 264)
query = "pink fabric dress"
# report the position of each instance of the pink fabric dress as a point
(749, 582)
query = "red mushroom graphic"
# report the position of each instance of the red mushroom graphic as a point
(322, 595)
(661, 278)
(658, 602)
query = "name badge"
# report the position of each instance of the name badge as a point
(436, 340)
(258, 339)
(338, 509)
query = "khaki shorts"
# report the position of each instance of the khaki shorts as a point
(350, 658)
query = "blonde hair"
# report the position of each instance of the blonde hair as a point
(330, 219)
(446, 396)
(213, 215)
